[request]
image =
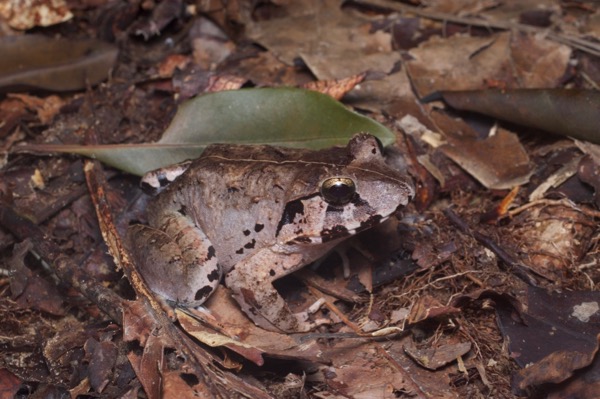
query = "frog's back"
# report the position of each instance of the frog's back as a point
(236, 195)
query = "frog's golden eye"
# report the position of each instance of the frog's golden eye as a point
(338, 190)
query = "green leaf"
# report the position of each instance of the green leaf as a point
(136, 159)
(277, 116)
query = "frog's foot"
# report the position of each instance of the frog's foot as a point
(314, 308)
(342, 250)
(252, 288)
(303, 319)
(286, 321)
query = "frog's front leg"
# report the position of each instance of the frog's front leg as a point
(176, 259)
(251, 282)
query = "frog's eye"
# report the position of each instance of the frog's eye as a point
(338, 190)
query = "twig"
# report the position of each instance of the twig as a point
(548, 202)
(96, 181)
(519, 269)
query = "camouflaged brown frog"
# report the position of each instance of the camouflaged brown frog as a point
(258, 213)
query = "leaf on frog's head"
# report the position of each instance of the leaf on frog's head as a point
(136, 159)
(39, 62)
(277, 116)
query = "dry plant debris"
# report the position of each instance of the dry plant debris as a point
(486, 286)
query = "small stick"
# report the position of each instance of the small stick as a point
(520, 270)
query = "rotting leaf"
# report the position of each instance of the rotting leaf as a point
(30, 290)
(336, 88)
(278, 116)
(552, 323)
(102, 357)
(588, 172)
(215, 339)
(40, 62)
(427, 308)
(574, 113)
(437, 356)
(375, 370)
(554, 368)
(557, 334)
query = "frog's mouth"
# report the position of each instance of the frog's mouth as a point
(339, 232)
(336, 218)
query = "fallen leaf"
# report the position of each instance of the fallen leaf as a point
(427, 307)
(336, 88)
(457, 62)
(574, 113)
(463, 62)
(40, 62)
(9, 384)
(556, 335)
(278, 116)
(437, 356)
(333, 43)
(102, 357)
(498, 161)
(554, 368)
(29, 289)
(369, 370)
(46, 108)
(589, 172)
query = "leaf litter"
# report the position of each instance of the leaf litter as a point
(504, 228)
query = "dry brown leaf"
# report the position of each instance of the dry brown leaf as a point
(332, 42)
(460, 61)
(368, 370)
(427, 307)
(46, 108)
(434, 356)
(27, 14)
(336, 88)
(463, 62)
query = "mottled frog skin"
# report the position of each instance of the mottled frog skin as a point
(258, 213)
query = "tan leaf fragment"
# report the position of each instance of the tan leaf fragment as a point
(27, 14)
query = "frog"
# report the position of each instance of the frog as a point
(256, 213)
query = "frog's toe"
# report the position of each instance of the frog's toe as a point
(304, 324)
